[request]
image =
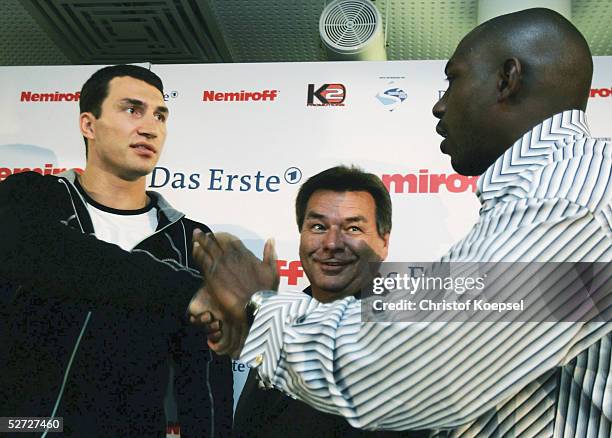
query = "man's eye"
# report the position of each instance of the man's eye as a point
(354, 229)
(317, 227)
(161, 117)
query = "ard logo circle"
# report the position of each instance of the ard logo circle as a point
(293, 175)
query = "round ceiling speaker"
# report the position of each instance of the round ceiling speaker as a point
(351, 30)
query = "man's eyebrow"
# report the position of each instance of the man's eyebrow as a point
(314, 215)
(162, 109)
(130, 101)
(357, 218)
(141, 104)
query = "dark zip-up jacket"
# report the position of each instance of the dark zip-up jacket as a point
(87, 329)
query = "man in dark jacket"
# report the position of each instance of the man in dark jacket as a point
(344, 218)
(96, 277)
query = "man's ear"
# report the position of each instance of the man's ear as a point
(386, 246)
(87, 125)
(509, 79)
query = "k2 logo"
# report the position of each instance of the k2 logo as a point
(327, 95)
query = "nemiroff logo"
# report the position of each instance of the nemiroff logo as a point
(425, 182)
(326, 95)
(47, 169)
(31, 96)
(601, 92)
(239, 96)
(292, 269)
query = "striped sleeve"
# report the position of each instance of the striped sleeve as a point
(442, 375)
(402, 376)
(548, 198)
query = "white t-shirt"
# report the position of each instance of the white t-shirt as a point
(125, 228)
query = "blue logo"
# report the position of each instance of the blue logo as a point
(293, 175)
(217, 179)
(391, 97)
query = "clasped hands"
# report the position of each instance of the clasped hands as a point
(232, 274)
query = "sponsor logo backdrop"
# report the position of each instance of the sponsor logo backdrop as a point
(243, 137)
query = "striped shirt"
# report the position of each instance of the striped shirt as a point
(547, 198)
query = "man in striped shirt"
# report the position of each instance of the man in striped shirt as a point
(513, 113)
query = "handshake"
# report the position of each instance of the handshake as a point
(232, 274)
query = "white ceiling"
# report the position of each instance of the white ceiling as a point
(46, 32)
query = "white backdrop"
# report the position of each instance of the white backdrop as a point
(384, 125)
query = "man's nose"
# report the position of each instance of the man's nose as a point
(333, 239)
(439, 108)
(149, 127)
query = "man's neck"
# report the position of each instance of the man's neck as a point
(323, 296)
(114, 192)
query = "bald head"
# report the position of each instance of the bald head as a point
(553, 53)
(506, 76)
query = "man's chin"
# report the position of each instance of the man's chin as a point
(329, 294)
(137, 173)
(461, 166)
(466, 169)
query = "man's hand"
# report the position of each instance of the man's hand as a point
(200, 314)
(232, 274)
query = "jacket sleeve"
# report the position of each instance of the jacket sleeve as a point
(39, 251)
(205, 409)
(438, 375)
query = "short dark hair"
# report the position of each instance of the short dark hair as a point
(95, 89)
(347, 179)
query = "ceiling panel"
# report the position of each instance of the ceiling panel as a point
(594, 19)
(23, 41)
(426, 30)
(185, 31)
(270, 30)
(105, 32)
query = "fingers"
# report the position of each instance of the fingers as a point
(207, 242)
(214, 242)
(231, 341)
(232, 274)
(214, 327)
(206, 318)
(269, 259)
(213, 331)
(198, 305)
(198, 252)
(214, 337)
(269, 255)
(205, 251)
(224, 343)
(199, 320)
